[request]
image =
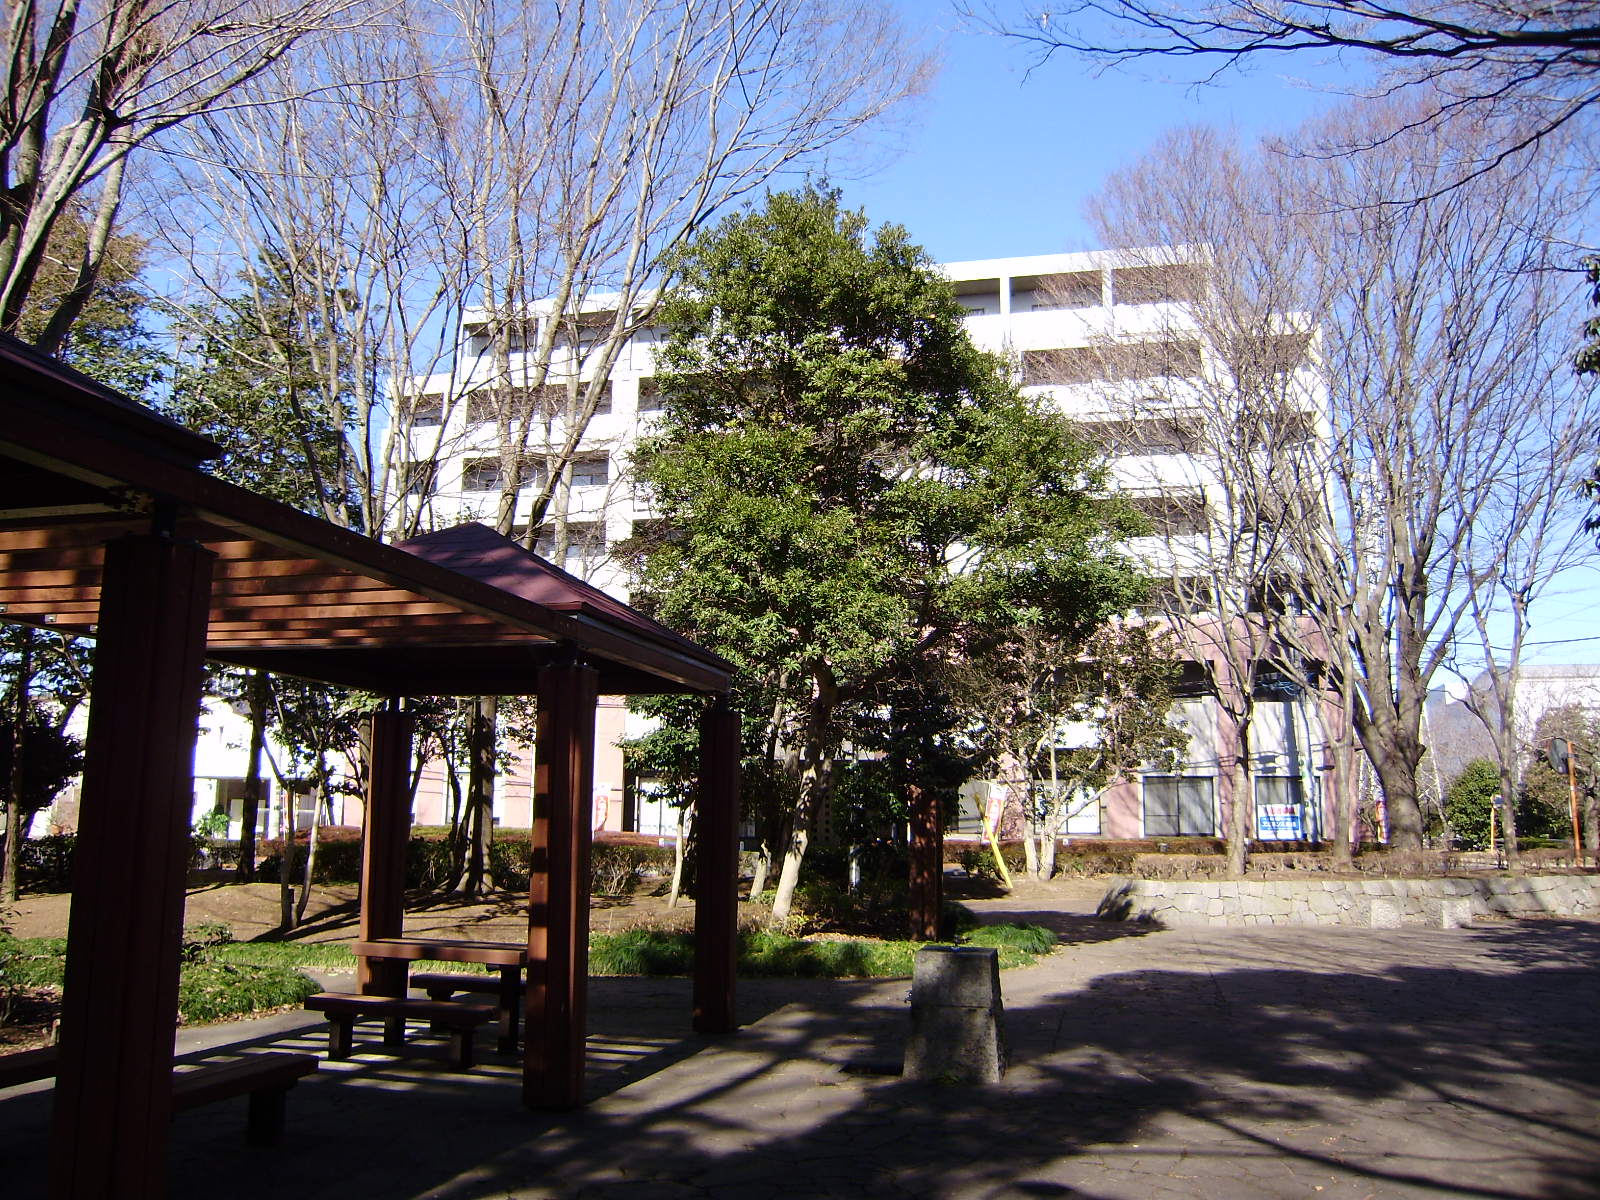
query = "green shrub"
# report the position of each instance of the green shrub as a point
(978, 861)
(338, 857)
(1028, 940)
(304, 956)
(37, 962)
(45, 864)
(510, 862)
(641, 952)
(212, 991)
(200, 940)
(613, 870)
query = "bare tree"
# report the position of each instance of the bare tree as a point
(90, 84)
(1483, 58)
(604, 135)
(1072, 719)
(1430, 328)
(1526, 537)
(338, 271)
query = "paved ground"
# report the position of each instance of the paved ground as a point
(1226, 1064)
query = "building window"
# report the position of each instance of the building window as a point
(1173, 514)
(586, 546)
(486, 475)
(1079, 289)
(1179, 806)
(591, 470)
(1280, 808)
(1111, 364)
(550, 401)
(651, 398)
(1182, 597)
(1157, 285)
(1148, 435)
(417, 478)
(427, 412)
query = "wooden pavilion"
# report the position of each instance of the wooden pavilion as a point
(110, 527)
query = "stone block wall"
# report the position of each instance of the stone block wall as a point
(1366, 903)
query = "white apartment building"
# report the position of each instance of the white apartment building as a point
(1068, 321)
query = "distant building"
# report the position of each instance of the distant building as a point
(1051, 315)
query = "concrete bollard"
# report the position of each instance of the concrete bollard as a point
(955, 1016)
(1455, 913)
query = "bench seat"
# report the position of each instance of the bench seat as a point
(504, 986)
(266, 1078)
(25, 1066)
(344, 1009)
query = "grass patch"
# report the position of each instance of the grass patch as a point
(762, 953)
(36, 962)
(215, 991)
(299, 956)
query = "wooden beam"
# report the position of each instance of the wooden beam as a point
(716, 912)
(558, 889)
(113, 1097)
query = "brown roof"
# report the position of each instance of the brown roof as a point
(463, 612)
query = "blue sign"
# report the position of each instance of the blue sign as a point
(1279, 823)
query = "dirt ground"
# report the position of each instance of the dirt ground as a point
(253, 911)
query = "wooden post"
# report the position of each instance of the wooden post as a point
(716, 913)
(558, 889)
(383, 846)
(927, 865)
(113, 1098)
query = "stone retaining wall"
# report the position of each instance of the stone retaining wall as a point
(1369, 903)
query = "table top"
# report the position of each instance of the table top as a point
(499, 954)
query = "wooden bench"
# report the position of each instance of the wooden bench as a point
(265, 1078)
(344, 1009)
(442, 985)
(25, 1066)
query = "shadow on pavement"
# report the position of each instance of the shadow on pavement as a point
(1234, 1067)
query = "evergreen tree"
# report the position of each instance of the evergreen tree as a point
(849, 489)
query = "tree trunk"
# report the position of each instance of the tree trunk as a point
(1394, 748)
(250, 803)
(1032, 832)
(1347, 804)
(758, 880)
(286, 862)
(927, 864)
(815, 772)
(1238, 833)
(480, 793)
(793, 855)
(311, 841)
(10, 873)
(680, 851)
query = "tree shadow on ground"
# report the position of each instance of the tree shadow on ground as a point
(1405, 1080)
(1072, 929)
(1271, 1065)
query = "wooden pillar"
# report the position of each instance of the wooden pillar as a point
(716, 913)
(383, 846)
(558, 889)
(927, 865)
(113, 1097)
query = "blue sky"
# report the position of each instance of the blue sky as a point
(1000, 160)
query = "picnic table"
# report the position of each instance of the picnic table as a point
(509, 957)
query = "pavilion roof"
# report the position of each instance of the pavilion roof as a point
(461, 612)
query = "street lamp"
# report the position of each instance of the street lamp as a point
(1563, 761)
